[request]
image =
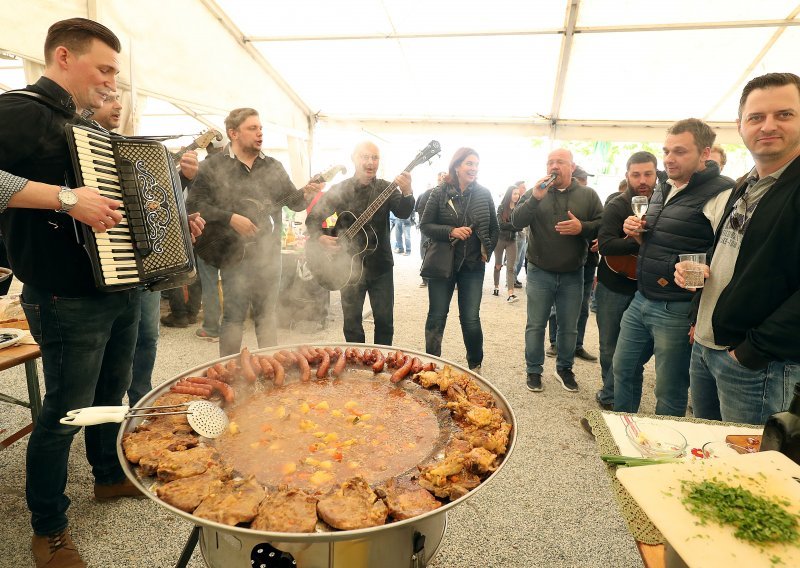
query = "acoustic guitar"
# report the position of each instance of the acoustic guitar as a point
(624, 265)
(333, 270)
(221, 246)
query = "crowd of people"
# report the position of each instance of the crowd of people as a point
(734, 342)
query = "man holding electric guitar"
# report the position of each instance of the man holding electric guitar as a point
(616, 274)
(366, 201)
(240, 193)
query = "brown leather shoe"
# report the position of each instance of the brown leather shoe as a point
(56, 551)
(122, 489)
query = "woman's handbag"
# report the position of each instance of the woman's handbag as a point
(437, 260)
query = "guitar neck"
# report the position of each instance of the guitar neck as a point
(176, 157)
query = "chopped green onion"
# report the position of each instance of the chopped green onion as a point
(628, 461)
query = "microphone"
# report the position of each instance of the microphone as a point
(549, 182)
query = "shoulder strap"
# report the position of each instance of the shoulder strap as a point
(42, 99)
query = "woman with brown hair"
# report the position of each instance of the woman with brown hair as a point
(461, 212)
(507, 243)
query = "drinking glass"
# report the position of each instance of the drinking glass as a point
(693, 269)
(639, 205)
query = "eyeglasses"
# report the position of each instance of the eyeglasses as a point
(739, 213)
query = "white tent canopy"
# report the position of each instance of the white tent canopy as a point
(566, 69)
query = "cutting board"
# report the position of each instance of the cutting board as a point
(657, 490)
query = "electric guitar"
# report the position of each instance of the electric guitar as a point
(624, 265)
(333, 270)
(221, 246)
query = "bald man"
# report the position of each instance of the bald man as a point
(563, 216)
(356, 195)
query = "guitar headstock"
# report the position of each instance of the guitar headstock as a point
(426, 154)
(206, 137)
(331, 173)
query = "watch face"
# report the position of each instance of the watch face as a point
(68, 197)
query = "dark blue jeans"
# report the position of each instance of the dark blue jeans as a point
(545, 289)
(380, 288)
(470, 292)
(610, 307)
(252, 284)
(402, 235)
(723, 389)
(87, 353)
(583, 317)
(648, 328)
(212, 311)
(144, 357)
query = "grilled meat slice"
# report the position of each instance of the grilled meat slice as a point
(287, 510)
(407, 499)
(232, 502)
(170, 466)
(146, 443)
(353, 506)
(187, 493)
(496, 441)
(456, 474)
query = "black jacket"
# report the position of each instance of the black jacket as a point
(448, 208)
(548, 249)
(679, 227)
(507, 229)
(613, 242)
(758, 312)
(43, 249)
(348, 195)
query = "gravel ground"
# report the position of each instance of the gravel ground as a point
(550, 506)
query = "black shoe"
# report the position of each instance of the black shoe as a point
(495, 292)
(475, 368)
(603, 405)
(517, 284)
(551, 351)
(171, 320)
(567, 379)
(581, 353)
(534, 382)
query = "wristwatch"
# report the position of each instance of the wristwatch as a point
(67, 198)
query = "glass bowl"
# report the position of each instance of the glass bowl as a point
(656, 440)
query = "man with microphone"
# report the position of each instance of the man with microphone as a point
(563, 217)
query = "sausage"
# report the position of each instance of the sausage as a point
(390, 360)
(306, 352)
(322, 370)
(302, 363)
(349, 354)
(377, 367)
(223, 373)
(233, 370)
(338, 368)
(266, 367)
(280, 372)
(183, 388)
(429, 366)
(206, 388)
(280, 357)
(416, 365)
(256, 366)
(222, 388)
(247, 368)
(211, 373)
(398, 359)
(401, 373)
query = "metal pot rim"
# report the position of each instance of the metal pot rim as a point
(336, 535)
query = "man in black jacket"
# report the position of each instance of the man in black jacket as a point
(86, 338)
(616, 274)
(242, 188)
(746, 355)
(356, 195)
(680, 218)
(563, 217)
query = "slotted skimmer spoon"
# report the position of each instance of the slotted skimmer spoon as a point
(205, 418)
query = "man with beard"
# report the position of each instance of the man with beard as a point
(241, 188)
(563, 217)
(680, 219)
(356, 195)
(746, 355)
(616, 276)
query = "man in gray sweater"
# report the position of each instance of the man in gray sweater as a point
(563, 217)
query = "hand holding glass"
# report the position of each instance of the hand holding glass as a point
(693, 266)
(639, 205)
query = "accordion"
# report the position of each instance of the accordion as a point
(152, 244)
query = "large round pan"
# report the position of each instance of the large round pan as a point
(331, 536)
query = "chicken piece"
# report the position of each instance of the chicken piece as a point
(406, 499)
(232, 502)
(452, 477)
(495, 441)
(170, 466)
(470, 414)
(481, 460)
(353, 506)
(287, 510)
(146, 443)
(451, 487)
(468, 389)
(187, 493)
